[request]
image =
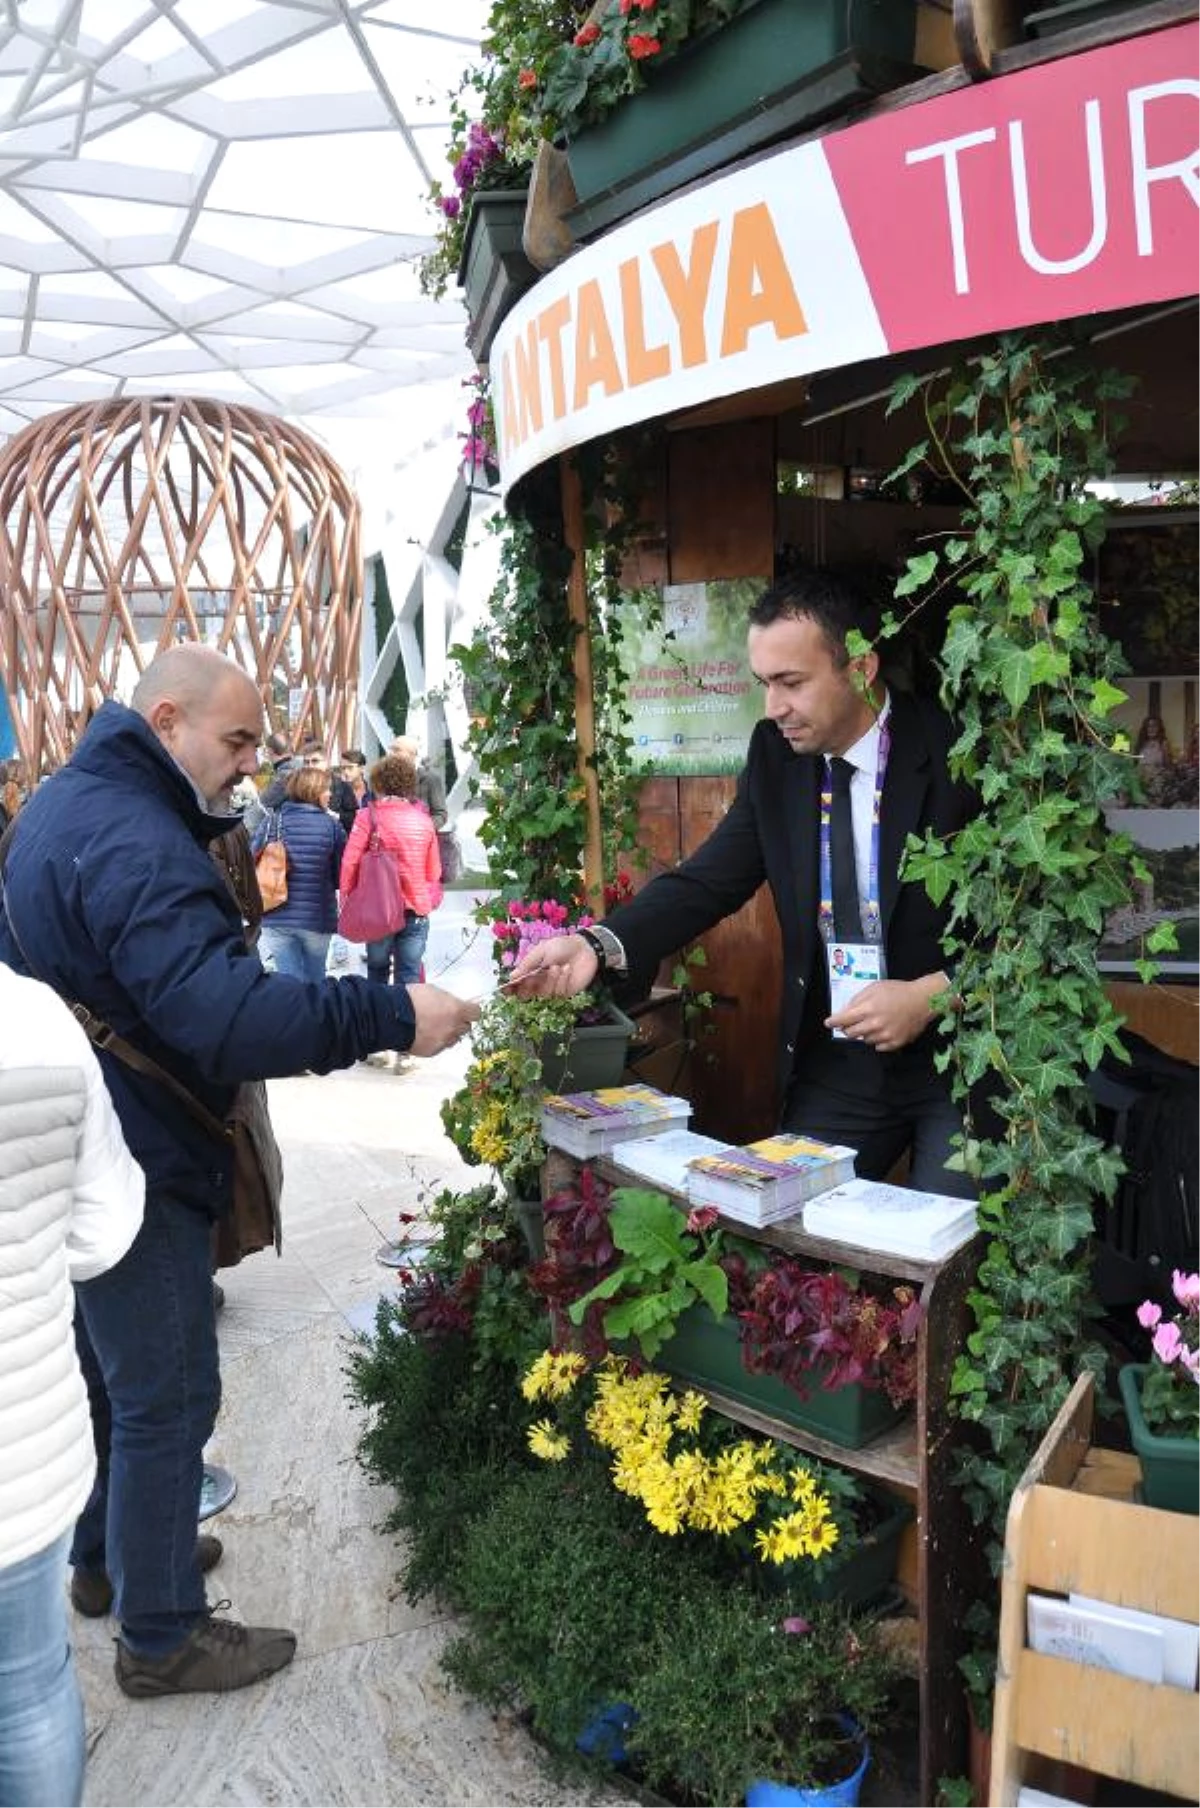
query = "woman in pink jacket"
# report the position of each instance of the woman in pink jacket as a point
(406, 829)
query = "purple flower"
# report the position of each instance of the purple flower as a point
(450, 205)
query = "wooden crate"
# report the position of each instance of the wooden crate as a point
(1073, 1525)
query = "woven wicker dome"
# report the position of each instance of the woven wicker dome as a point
(128, 526)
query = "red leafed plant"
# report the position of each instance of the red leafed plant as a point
(579, 1252)
(799, 1324)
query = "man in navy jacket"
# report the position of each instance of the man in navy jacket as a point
(112, 899)
(874, 1085)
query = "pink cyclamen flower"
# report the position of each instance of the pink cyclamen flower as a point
(1168, 1344)
(795, 1626)
(1148, 1315)
(1186, 1288)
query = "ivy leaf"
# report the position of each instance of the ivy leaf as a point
(917, 573)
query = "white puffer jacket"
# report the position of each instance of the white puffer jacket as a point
(71, 1199)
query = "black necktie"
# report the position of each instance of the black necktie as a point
(847, 923)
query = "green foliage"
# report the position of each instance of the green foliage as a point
(728, 1692)
(518, 670)
(1031, 682)
(664, 1269)
(584, 81)
(495, 1117)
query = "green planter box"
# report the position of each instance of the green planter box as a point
(863, 1570)
(778, 66)
(494, 271)
(594, 1056)
(1170, 1466)
(707, 1351)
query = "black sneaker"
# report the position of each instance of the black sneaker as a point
(216, 1657)
(92, 1592)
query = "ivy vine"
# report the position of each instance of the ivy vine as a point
(1032, 684)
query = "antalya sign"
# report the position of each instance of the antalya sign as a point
(1070, 188)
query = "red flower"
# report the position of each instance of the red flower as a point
(587, 34)
(701, 1218)
(527, 78)
(640, 46)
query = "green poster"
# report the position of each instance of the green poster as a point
(692, 699)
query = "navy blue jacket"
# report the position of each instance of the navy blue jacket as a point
(119, 905)
(314, 843)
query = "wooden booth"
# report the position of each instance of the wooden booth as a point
(757, 314)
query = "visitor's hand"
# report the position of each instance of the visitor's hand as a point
(556, 968)
(442, 1019)
(890, 1013)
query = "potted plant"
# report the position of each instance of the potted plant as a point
(825, 1350)
(1162, 1400)
(593, 1053)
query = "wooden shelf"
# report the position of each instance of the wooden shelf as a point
(916, 1455)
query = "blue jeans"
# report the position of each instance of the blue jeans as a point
(300, 953)
(147, 1339)
(404, 951)
(41, 1712)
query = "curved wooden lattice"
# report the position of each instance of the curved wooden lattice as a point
(128, 526)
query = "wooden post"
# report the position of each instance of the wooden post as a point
(585, 703)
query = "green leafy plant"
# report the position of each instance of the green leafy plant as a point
(1022, 431)
(495, 1117)
(666, 1264)
(581, 81)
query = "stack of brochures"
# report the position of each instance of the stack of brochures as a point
(591, 1123)
(759, 1183)
(895, 1220)
(1146, 1645)
(664, 1160)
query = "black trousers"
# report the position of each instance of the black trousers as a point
(884, 1106)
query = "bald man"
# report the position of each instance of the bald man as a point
(112, 899)
(431, 790)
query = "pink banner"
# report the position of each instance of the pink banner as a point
(1066, 189)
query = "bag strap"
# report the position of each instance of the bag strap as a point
(103, 1035)
(373, 834)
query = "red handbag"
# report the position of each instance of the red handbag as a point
(375, 907)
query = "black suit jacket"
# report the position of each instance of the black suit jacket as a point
(772, 831)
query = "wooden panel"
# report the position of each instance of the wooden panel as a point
(1118, 1551)
(721, 502)
(1168, 1016)
(1137, 1731)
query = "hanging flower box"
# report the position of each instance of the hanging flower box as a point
(707, 1352)
(494, 272)
(775, 68)
(593, 1055)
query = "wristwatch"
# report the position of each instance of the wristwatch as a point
(607, 947)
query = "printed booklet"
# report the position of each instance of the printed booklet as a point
(763, 1181)
(895, 1220)
(592, 1123)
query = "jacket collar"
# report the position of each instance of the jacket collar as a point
(120, 747)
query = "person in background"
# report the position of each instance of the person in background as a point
(431, 790)
(295, 936)
(406, 829)
(71, 1200)
(348, 786)
(111, 897)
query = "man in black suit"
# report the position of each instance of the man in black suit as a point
(838, 760)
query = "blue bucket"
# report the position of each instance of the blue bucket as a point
(764, 1794)
(604, 1734)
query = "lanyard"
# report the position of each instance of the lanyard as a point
(872, 920)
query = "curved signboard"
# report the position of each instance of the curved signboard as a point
(1066, 189)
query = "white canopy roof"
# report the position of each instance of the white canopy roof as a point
(226, 198)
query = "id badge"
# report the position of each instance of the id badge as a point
(852, 965)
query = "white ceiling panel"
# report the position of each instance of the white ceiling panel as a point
(225, 197)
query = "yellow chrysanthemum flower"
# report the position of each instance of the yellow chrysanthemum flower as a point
(545, 1441)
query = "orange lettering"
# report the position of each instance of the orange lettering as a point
(687, 291)
(759, 288)
(508, 412)
(529, 380)
(550, 328)
(643, 362)
(595, 354)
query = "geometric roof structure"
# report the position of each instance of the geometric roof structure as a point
(224, 198)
